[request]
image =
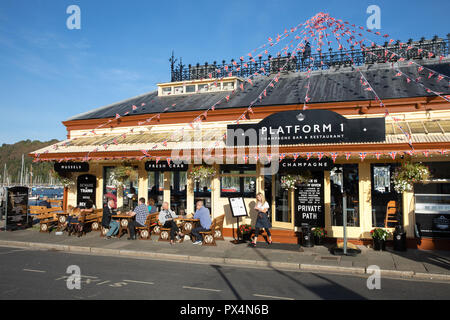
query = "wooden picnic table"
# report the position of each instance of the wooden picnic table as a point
(187, 224)
(123, 222)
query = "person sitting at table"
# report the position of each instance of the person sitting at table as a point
(45, 203)
(141, 213)
(204, 216)
(166, 217)
(107, 222)
(151, 206)
(88, 208)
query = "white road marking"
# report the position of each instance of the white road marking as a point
(273, 297)
(103, 282)
(31, 270)
(12, 251)
(204, 289)
(142, 282)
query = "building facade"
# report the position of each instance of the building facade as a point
(344, 142)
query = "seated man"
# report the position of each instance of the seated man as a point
(166, 217)
(89, 208)
(107, 222)
(45, 203)
(202, 213)
(141, 213)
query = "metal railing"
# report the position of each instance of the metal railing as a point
(301, 62)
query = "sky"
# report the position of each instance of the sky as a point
(49, 72)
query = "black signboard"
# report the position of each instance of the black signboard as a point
(302, 164)
(434, 225)
(86, 189)
(306, 127)
(309, 202)
(71, 167)
(165, 166)
(16, 208)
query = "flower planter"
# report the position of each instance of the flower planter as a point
(318, 241)
(379, 245)
(246, 236)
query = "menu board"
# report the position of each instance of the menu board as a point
(16, 207)
(238, 208)
(86, 187)
(433, 215)
(309, 202)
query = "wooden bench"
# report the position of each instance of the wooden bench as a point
(164, 233)
(96, 225)
(56, 203)
(208, 236)
(218, 228)
(48, 219)
(86, 222)
(150, 223)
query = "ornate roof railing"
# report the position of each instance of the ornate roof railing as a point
(301, 62)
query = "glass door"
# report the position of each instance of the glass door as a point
(282, 205)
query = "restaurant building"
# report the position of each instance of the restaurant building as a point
(347, 143)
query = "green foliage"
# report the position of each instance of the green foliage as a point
(11, 154)
(245, 228)
(408, 174)
(380, 234)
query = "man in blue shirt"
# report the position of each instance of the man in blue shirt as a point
(203, 214)
(141, 213)
(45, 203)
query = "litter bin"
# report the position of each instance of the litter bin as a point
(399, 239)
(307, 237)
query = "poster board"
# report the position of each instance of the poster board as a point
(309, 202)
(238, 208)
(86, 189)
(16, 208)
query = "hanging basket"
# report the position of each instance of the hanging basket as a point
(67, 179)
(408, 174)
(201, 172)
(123, 173)
(292, 181)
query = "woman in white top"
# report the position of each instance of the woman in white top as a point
(262, 207)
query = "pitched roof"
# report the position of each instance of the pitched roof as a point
(325, 86)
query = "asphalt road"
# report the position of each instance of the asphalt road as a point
(36, 274)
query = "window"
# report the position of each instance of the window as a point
(228, 86)
(178, 90)
(190, 89)
(344, 184)
(384, 195)
(156, 187)
(166, 91)
(178, 184)
(234, 183)
(203, 87)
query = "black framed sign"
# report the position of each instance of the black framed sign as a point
(306, 127)
(16, 208)
(165, 166)
(301, 164)
(71, 167)
(238, 208)
(309, 202)
(86, 189)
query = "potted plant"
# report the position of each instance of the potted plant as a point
(319, 235)
(201, 172)
(379, 237)
(408, 174)
(246, 231)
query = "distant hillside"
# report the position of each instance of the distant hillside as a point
(11, 154)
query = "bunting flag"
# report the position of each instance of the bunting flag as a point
(334, 155)
(296, 155)
(308, 155)
(362, 155)
(320, 155)
(347, 155)
(377, 155)
(393, 154)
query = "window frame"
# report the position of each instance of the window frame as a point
(241, 175)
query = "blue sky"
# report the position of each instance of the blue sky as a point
(49, 73)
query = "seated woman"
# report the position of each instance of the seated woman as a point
(151, 206)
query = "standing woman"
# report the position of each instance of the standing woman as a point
(262, 207)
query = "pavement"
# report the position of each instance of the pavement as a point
(412, 264)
